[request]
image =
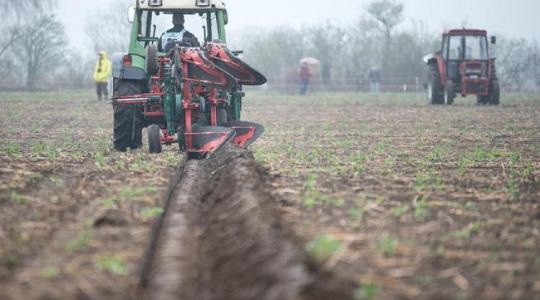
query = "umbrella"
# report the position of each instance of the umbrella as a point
(310, 61)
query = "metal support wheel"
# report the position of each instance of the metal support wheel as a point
(154, 139)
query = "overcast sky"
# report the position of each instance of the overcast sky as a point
(514, 18)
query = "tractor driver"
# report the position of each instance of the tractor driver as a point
(177, 34)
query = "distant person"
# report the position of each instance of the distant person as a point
(305, 76)
(375, 79)
(102, 72)
(178, 34)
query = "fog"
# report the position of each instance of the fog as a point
(516, 18)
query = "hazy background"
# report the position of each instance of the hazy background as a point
(54, 43)
(517, 18)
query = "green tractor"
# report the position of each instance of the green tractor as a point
(184, 91)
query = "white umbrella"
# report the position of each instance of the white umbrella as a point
(310, 61)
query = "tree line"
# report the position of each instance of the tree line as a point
(348, 52)
(34, 50)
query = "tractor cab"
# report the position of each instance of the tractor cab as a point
(203, 20)
(466, 55)
(463, 67)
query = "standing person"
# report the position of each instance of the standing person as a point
(102, 72)
(375, 78)
(305, 76)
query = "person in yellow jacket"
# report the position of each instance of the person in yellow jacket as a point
(102, 72)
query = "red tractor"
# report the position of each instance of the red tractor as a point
(463, 66)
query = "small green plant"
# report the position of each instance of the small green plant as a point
(399, 211)
(513, 185)
(359, 161)
(13, 150)
(467, 231)
(515, 157)
(108, 203)
(367, 292)
(100, 159)
(421, 208)
(387, 245)
(130, 192)
(438, 154)
(80, 242)
(113, 264)
(356, 213)
(16, 198)
(322, 248)
(151, 212)
(428, 180)
(50, 273)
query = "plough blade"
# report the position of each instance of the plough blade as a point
(246, 132)
(206, 140)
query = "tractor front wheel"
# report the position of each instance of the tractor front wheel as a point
(128, 118)
(154, 139)
(495, 93)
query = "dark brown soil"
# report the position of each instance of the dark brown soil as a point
(223, 239)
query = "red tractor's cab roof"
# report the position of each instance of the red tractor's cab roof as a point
(474, 32)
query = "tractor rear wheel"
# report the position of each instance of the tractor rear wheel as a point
(495, 93)
(434, 86)
(154, 139)
(128, 118)
(449, 93)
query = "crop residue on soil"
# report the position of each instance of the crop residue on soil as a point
(222, 239)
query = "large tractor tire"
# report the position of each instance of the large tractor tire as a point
(482, 100)
(128, 118)
(495, 93)
(434, 86)
(449, 92)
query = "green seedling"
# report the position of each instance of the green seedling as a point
(16, 198)
(387, 245)
(421, 208)
(13, 150)
(399, 211)
(113, 264)
(151, 212)
(100, 159)
(80, 242)
(50, 273)
(467, 232)
(367, 292)
(322, 248)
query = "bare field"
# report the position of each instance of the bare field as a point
(409, 200)
(75, 217)
(413, 201)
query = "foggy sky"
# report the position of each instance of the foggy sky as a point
(513, 18)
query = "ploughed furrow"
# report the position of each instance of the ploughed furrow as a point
(221, 238)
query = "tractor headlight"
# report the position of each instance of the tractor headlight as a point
(155, 2)
(202, 2)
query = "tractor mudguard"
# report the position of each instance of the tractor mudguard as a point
(201, 70)
(222, 57)
(119, 71)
